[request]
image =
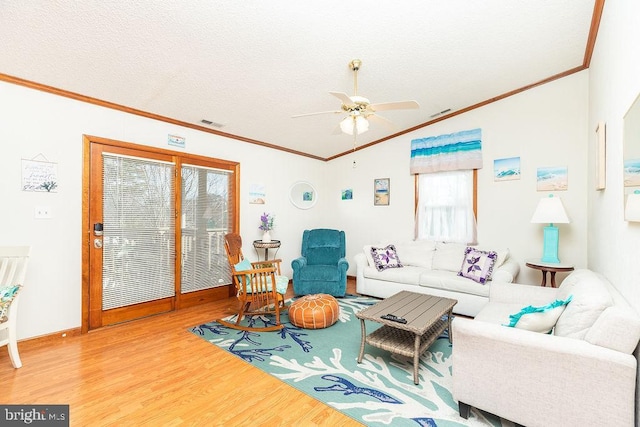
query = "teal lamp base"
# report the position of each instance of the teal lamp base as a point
(550, 249)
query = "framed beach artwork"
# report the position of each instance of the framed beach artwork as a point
(631, 160)
(381, 192)
(632, 173)
(554, 178)
(303, 195)
(257, 195)
(506, 169)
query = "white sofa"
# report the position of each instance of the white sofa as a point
(432, 268)
(583, 373)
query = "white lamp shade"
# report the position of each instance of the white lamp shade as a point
(550, 210)
(632, 207)
(362, 125)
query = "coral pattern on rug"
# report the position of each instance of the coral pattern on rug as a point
(323, 363)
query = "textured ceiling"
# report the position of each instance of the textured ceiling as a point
(250, 65)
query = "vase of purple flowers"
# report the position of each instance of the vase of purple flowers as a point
(266, 225)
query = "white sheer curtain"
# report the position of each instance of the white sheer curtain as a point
(445, 207)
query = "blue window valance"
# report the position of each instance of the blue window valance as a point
(454, 151)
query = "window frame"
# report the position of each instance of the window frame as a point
(416, 181)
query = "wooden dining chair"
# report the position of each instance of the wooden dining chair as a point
(13, 268)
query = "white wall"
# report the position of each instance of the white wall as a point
(614, 83)
(35, 123)
(544, 126)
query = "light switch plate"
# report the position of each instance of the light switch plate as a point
(42, 212)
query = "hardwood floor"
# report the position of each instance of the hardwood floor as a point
(154, 372)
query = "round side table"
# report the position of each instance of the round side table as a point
(545, 267)
(259, 244)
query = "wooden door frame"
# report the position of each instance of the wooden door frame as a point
(181, 300)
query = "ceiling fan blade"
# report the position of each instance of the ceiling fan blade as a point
(377, 118)
(342, 97)
(398, 105)
(320, 112)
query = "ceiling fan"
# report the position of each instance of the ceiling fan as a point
(359, 109)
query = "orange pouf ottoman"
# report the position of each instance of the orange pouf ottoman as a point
(314, 311)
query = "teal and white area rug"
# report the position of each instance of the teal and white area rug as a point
(323, 364)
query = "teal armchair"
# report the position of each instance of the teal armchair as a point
(322, 268)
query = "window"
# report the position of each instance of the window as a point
(446, 206)
(207, 212)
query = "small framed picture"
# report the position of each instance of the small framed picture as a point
(381, 192)
(632, 172)
(307, 196)
(554, 178)
(506, 169)
(347, 194)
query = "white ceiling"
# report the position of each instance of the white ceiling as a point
(250, 65)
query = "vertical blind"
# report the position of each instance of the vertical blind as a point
(206, 217)
(139, 230)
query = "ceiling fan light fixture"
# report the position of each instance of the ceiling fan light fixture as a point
(358, 108)
(347, 125)
(362, 124)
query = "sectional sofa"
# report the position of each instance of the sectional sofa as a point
(570, 357)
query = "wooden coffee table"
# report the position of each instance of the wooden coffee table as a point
(424, 315)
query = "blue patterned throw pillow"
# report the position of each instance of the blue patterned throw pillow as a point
(478, 265)
(7, 295)
(386, 257)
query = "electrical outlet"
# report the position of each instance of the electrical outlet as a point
(42, 212)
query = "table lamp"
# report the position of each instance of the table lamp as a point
(550, 210)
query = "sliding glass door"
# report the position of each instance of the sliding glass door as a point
(155, 223)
